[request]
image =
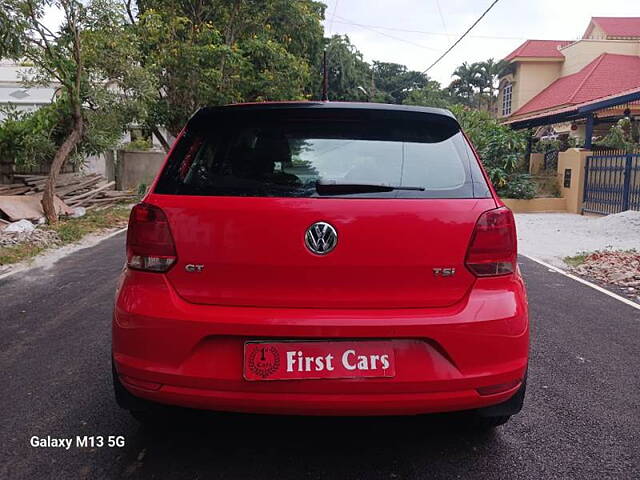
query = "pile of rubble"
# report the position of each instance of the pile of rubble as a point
(621, 268)
(37, 236)
(75, 190)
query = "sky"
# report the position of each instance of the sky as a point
(381, 33)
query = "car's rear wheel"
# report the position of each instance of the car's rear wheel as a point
(488, 423)
(143, 411)
(496, 415)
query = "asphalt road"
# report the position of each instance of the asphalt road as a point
(581, 419)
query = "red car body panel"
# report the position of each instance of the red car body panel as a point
(179, 337)
(360, 273)
(194, 352)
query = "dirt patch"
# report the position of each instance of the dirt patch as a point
(16, 247)
(617, 270)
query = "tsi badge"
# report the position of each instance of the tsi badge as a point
(194, 267)
(444, 272)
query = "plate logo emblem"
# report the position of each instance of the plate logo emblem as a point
(321, 238)
(264, 360)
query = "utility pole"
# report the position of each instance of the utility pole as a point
(372, 90)
(325, 78)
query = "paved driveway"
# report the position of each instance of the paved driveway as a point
(582, 417)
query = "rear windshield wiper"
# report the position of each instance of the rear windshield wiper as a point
(335, 188)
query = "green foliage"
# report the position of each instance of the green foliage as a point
(142, 189)
(31, 138)
(621, 136)
(349, 76)
(137, 145)
(576, 260)
(75, 57)
(518, 185)
(395, 82)
(477, 83)
(560, 144)
(544, 146)
(226, 51)
(500, 148)
(430, 95)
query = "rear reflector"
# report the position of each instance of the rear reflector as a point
(150, 245)
(493, 248)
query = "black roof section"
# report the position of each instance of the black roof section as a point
(206, 113)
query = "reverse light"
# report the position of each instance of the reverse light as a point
(150, 246)
(493, 247)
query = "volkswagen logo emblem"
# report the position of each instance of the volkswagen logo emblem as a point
(321, 238)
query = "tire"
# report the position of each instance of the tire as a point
(142, 410)
(489, 423)
(508, 408)
(148, 417)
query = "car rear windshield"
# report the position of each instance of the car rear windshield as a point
(292, 155)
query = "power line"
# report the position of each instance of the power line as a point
(333, 18)
(373, 29)
(455, 43)
(444, 25)
(346, 21)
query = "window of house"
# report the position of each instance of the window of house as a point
(506, 100)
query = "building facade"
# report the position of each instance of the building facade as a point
(551, 75)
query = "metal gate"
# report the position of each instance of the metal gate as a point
(611, 183)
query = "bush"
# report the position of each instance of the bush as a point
(500, 148)
(621, 136)
(518, 186)
(545, 146)
(31, 138)
(139, 144)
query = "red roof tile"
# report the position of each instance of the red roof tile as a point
(539, 48)
(617, 26)
(606, 75)
(569, 108)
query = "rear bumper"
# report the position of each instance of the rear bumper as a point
(169, 351)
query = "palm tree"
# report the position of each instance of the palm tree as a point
(490, 73)
(466, 82)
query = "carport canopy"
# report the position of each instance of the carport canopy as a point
(585, 110)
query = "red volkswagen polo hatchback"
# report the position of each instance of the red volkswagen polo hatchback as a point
(322, 259)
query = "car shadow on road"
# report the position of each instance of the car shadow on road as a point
(199, 445)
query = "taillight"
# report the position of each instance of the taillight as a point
(493, 248)
(150, 245)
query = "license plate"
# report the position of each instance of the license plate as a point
(317, 360)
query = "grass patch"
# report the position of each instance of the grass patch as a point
(68, 230)
(17, 253)
(576, 260)
(73, 229)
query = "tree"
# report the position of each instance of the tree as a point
(89, 112)
(395, 82)
(500, 148)
(349, 76)
(225, 51)
(490, 72)
(623, 136)
(430, 95)
(56, 56)
(466, 81)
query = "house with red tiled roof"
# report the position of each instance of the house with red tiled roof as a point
(548, 79)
